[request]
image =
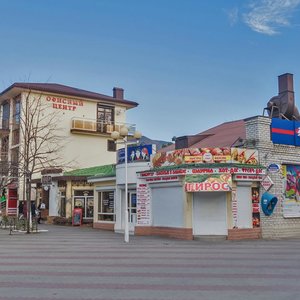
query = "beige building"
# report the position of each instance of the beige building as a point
(83, 121)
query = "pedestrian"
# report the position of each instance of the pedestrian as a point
(39, 212)
(21, 209)
(33, 210)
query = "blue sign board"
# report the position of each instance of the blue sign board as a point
(283, 131)
(135, 154)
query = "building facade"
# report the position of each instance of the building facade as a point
(83, 121)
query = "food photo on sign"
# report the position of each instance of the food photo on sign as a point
(205, 155)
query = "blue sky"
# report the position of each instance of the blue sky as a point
(190, 64)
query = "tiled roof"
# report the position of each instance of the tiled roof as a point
(223, 135)
(99, 171)
(66, 90)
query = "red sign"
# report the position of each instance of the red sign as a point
(77, 217)
(64, 103)
(207, 187)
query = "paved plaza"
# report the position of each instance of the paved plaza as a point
(84, 263)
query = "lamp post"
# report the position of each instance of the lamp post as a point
(123, 135)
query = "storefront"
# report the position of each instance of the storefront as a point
(63, 192)
(110, 191)
(205, 194)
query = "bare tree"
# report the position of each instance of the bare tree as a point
(40, 143)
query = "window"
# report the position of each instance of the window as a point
(111, 146)
(62, 209)
(105, 117)
(5, 115)
(17, 112)
(106, 206)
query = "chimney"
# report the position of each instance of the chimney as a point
(118, 93)
(285, 83)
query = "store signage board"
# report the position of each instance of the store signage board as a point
(246, 177)
(135, 154)
(208, 183)
(267, 183)
(205, 155)
(273, 168)
(221, 170)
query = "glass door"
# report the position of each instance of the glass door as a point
(132, 208)
(85, 201)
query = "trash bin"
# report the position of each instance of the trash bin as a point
(77, 217)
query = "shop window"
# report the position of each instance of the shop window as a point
(106, 206)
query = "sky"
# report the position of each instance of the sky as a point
(190, 64)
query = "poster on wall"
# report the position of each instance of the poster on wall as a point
(291, 201)
(143, 203)
(255, 207)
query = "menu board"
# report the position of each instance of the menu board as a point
(143, 204)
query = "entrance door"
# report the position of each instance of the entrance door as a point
(209, 214)
(131, 210)
(244, 205)
(85, 201)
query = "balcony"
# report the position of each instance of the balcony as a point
(89, 126)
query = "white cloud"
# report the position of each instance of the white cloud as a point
(266, 16)
(233, 15)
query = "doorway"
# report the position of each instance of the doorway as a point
(209, 214)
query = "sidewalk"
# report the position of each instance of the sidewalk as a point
(84, 263)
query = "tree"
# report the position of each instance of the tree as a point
(40, 144)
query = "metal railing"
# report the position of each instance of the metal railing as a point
(90, 125)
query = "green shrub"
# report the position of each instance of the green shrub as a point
(62, 221)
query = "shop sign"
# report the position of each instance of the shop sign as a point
(221, 170)
(267, 183)
(162, 179)
(208, 183)
(205, 155)
(46, 180)
(273, 168)
(64, 103)
(241, 177)
(135, 154)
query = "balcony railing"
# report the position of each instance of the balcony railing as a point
(92, 126)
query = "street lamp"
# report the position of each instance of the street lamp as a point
(123, 135)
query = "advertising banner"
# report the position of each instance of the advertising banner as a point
(135, 154)
(291, 201)
(285, 132)
(205, 155)
(208, 183)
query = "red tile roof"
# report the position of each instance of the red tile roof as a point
(66, 90)
(224, 135)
